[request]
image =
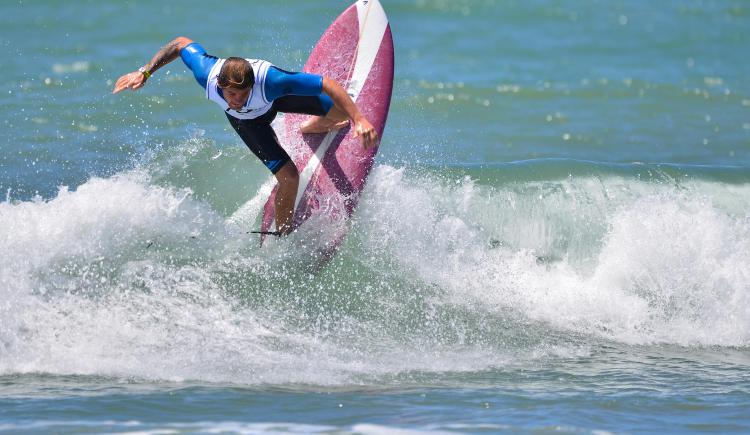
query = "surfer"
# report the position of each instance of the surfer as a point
(252, 92)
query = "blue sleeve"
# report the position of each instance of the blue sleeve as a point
(280, 83)
(198, 61)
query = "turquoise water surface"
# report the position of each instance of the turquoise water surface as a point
(554, 238)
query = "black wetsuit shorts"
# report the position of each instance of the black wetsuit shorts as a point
(260, 137)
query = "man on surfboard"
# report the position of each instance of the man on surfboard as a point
(252, 92)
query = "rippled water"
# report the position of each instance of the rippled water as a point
(554, 238)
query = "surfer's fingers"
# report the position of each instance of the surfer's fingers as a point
(368, 135)
(373, 138)
(363, 135)
(367, 139)
(129, 81)
(121, 84)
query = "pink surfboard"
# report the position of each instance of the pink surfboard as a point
(357, 51)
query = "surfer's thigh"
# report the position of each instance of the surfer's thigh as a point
(262, 141)
(308, 105)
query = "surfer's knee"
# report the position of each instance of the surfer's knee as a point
(288, 174)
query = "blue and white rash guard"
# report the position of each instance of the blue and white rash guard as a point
(270, 83)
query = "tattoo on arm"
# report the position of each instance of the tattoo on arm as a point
(167, 54)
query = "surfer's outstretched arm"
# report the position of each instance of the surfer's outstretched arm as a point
(341, 100)
(137, 79)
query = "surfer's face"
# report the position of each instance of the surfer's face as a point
(236, 98)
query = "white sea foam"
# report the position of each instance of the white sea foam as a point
(75, 67)
(669, 265)
(125, 277)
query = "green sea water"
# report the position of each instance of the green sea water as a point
(554, 237)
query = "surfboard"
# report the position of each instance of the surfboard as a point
(357, 51)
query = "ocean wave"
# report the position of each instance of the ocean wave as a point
(125, 276)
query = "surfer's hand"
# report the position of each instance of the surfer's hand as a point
(366, 132)
(134, 80)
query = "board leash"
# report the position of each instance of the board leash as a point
(150, 243)
(266, 233)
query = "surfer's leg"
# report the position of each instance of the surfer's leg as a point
(262, 141)
(335, 119)
(260, 138)
(288, 179)
(327, 115)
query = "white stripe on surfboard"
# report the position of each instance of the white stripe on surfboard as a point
(372, 25)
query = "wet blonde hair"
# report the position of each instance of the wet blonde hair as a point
(236, 73)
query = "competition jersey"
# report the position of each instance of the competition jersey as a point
(270, 82)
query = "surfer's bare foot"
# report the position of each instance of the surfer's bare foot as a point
(322, 124)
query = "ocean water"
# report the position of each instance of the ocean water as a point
(555, 237)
